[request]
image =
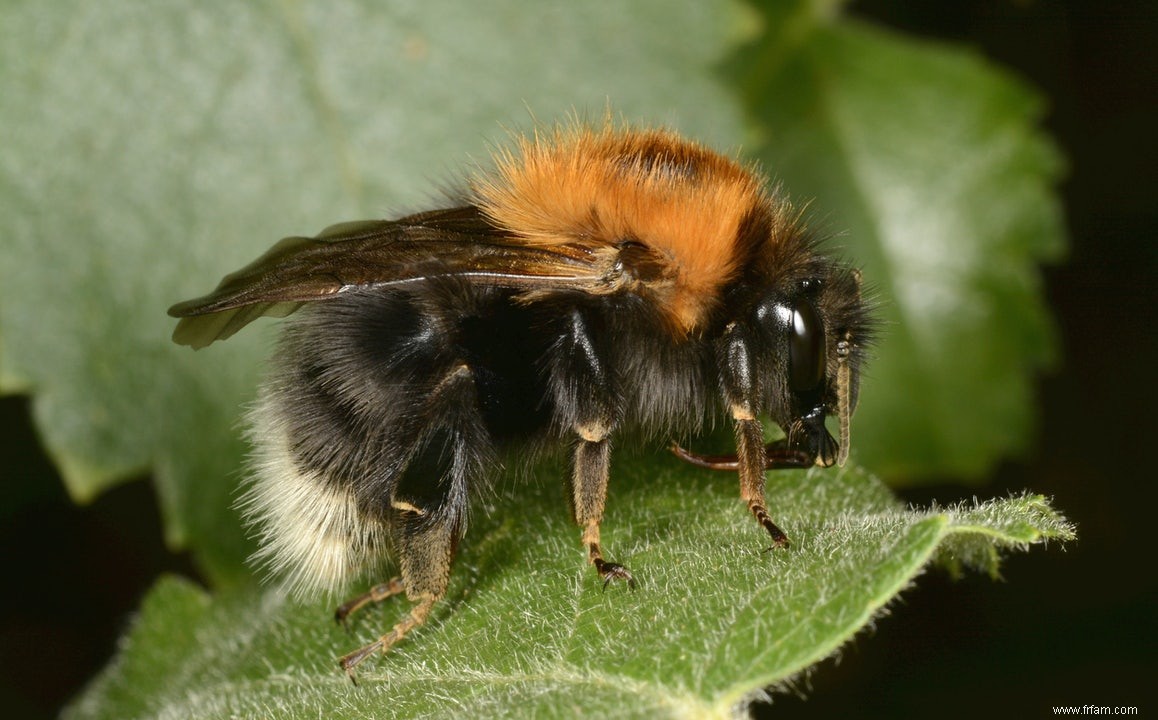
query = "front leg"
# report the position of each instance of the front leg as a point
(750, 454)
(585, 400)
(741, 386)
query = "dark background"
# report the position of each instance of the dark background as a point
(1072, 626)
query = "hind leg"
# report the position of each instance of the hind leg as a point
(427, 507)
(425, 547)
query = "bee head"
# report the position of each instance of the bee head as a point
(808, 337)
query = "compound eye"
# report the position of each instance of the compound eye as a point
(806, 361)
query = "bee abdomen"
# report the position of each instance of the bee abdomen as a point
(312, 531)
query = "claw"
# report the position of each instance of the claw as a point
(614, 571)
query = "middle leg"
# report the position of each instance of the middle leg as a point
(589, 477)
(584, 394)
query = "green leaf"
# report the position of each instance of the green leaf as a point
(927, 165)
(151, 148)
(527, 632)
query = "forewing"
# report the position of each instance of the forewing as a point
(381, 253)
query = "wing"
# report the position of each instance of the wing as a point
(457, 242)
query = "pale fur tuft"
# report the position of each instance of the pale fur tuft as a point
(311, 533)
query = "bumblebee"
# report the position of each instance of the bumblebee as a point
(594, 281)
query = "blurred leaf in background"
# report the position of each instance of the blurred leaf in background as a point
(926, 164)
(150, 149)
(153, 148)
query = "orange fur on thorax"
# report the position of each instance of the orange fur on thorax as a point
(599, 188)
